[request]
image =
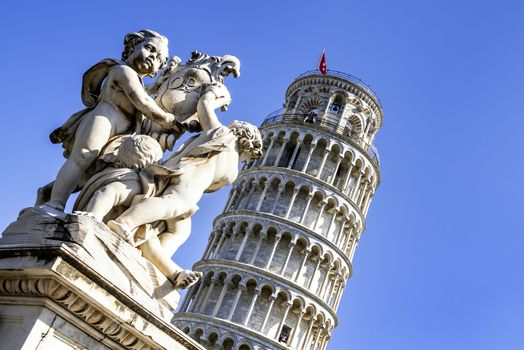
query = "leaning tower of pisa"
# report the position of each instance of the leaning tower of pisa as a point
(280, 254)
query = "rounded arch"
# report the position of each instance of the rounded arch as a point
(355, 125)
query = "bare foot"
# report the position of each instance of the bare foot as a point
(121, 230)
(185, 279)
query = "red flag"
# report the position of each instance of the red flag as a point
(322, 67)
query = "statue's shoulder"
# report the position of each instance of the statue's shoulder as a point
(94, 77)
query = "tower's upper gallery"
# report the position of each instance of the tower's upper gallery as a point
(336, 101)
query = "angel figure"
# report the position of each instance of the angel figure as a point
(117, 102)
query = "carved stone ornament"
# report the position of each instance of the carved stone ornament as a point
(85, 270)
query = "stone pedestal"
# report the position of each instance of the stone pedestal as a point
(70, 283)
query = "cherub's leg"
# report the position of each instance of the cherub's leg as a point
(92, 134)
(112, 195)
(43, 194)
(176, 234)
(159, 250)
(178, 199)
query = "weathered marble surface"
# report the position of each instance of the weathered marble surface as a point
(74, 269)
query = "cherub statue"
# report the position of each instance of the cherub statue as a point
(117, 102)
(165, 196)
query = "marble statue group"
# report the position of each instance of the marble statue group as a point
(114, 147)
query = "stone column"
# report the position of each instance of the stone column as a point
(240, 288)
(342, 114)
(268, 150)
(320, 212)
(353, 249)
(220, 242)
(340, 234)
(357, 185)
(304, 259)
(294, 154)
(333, 218)
(190, 295)
(257, 248)
(314, 272)
(329, 291)
(325, 340)
(198, 294)
(209, 249)
(327, 151)
(316, 338)
(251, 305)
(231, 199)
(308, 333)
(285, 140)
(208, 294)
(280, 189)
(220, 297)
(264, 192)
(350, 236)
(330, 101)
(242, 245)
(339, 160)
(339, 295)
(308, 202)
(242, 191)
(294, 111)
(291, 245)
(277, 239)
(296, 329)
(348, 176)
(326, 276)
(292, 201)
(308, 158)
(286, 310)
(368, 201)
(272, 298)
(233, 236)
(254, 186)
(361, 199)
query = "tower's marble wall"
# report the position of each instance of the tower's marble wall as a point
(281, 253)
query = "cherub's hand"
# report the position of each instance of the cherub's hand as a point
(172, 64)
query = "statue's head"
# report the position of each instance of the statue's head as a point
(146, 51)
(138, 151)
(249, 140)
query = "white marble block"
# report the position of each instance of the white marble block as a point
(69, 283)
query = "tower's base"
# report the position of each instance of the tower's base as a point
(69, 283)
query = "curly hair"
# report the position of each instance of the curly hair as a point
(138, 151)
(249, 138)
(133, 39)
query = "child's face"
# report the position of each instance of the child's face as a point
(148, 56)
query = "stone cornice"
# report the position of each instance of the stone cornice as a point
(103, 320)
(339, 83)
(331, 134)
(231, 327)
(299, 176)
(290, 226)
(282, 282)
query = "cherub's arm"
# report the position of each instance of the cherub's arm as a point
(127, 79)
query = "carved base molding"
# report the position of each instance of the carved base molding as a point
(57, 272)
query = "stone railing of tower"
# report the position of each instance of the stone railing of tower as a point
(278, 116)
(344, 76)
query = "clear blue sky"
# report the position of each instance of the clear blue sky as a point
(440, 265)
